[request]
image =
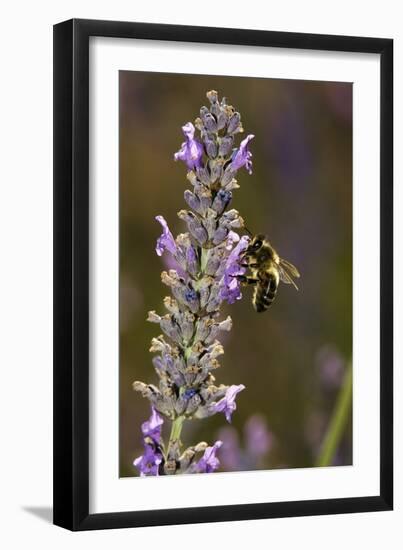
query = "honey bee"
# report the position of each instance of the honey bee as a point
(267, 269)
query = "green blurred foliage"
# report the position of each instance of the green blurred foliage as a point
(300, 195)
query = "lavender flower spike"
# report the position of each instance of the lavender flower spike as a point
(166, 241)
(227, 404)
(191, 150)
(243, 157)
(208, 257)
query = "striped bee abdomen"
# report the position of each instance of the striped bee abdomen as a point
(266, 271)
(265, 292)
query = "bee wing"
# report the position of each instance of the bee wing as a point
(285, 277)
(290, 268)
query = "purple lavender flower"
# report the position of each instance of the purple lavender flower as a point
(231, 287)
(208, 262)
(191, 151)
(227, 404)
(232, 238)
(242, 156)
(153, 426)
(166, 241)
(148, 463)
(208, 462)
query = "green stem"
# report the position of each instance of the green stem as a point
(175, 431)
(338, 421)
(203, 260)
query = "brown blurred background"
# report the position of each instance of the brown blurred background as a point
(291, 358)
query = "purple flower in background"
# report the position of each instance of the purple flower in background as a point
(231, 287)
(258, 438)
(227, 404)
(153, 426)
(208, 462)
(231, 455)
(191, 151)
(148, 463)
(242, 156)
(166, 241)
(331, 367)
(258, 441)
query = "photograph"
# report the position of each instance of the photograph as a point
(235, 274)
(203, 199)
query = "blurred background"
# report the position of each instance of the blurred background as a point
(292, 359)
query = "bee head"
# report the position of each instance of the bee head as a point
(256, 244)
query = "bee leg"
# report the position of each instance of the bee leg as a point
(246, 280)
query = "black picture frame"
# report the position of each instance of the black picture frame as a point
(71, 274)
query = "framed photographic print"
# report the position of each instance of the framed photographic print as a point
(220, 190)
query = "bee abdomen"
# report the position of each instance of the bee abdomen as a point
(264, 295)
